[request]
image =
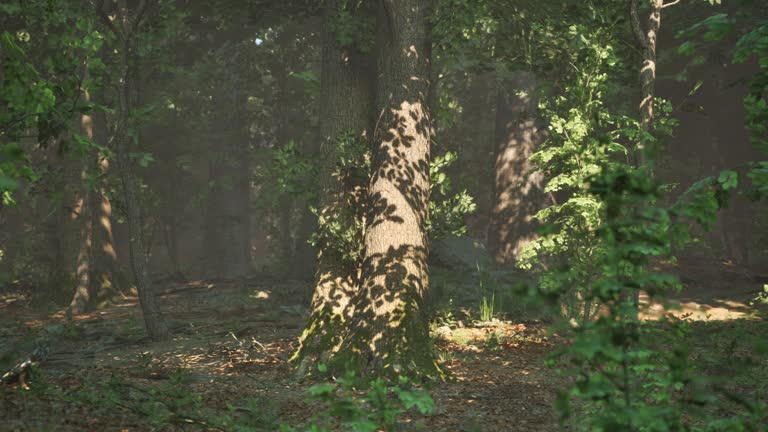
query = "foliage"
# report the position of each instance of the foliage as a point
(353, 27)
(598, 246)
(42, 54)
(585, 138)
(296, 174)
(350, 405)
(626, 378)
(446, 209)
(752, 43)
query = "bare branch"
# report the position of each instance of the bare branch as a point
(670, 4)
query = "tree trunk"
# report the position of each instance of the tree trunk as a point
(389, 332)
(155, 324)
(346, 97)
(285, 204)
(227, 235)
(57, 281)
(518, 193)
(82, 299)
(104, 263)
(647, 41)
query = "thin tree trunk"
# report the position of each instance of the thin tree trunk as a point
(647, 41)
(82, 299)
(155, 324)
(389, 332)
(346, 97)
(104, 253)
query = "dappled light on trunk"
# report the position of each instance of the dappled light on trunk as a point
(518, 188)
(389, 215)
(389, 331)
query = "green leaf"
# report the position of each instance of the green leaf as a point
(8, 184)
(321, 389)
(728, 179)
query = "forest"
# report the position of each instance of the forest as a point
(384, 215)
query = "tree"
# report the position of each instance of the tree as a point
(389, 331)
(517, 190)
(104, 263)
(646, 39)
(346, 95)
(82, 299)
(124, 25)
(227, 236)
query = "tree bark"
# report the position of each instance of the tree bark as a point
(346, 96)
(124, 28)
(647, 41)
(104, 263)
(518, 193)
(227, 237)
(83, 297)
(285, 204)
(389, 332)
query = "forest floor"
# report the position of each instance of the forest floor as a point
(232, 342)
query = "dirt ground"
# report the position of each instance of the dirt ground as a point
(233, 341)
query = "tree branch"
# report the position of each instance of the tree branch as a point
(140, 9)
(637, 28)
(107, 20)
(670, 4)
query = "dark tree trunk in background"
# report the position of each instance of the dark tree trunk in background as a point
(124, 31)
(171, 214)
(517, 192)
(55, 220)
(389, 331)
(346, 98)
(285, 203)
(227, 237)
(171, 240)
(303, 256)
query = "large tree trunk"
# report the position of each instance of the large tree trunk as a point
(346, 97)
(389, 332)
(518, 192)
(227, 236)
(155, 324)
